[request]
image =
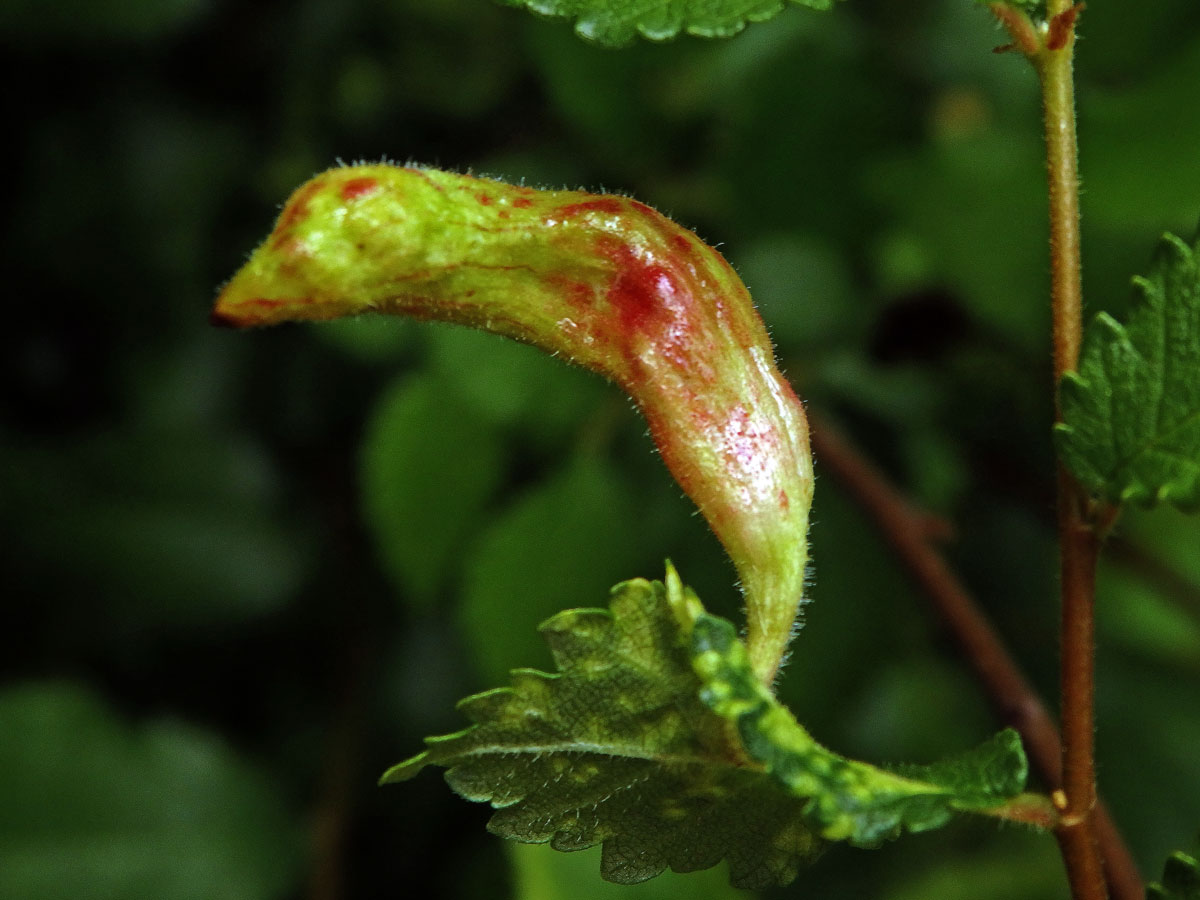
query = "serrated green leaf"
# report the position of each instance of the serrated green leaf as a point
(538, 873)
(1180, 881)
(847, 800)
(657, 741)
(617, 750)
(617, 22)
(1131, 414)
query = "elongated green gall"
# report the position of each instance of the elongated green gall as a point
(603, 281)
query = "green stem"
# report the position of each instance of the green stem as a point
(1078, 543)
(1055, 71)
(1051, 50)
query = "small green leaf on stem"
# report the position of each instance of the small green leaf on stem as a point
(1180, 881)
(614, 23)
(1131, 414)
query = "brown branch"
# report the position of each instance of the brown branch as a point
(1014, 699)
(1079, 552)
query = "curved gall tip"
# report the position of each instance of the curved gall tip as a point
(255, 312)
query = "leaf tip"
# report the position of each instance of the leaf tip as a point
(682, 601)
(1175, 245)
(403, 771)
(1180, 880)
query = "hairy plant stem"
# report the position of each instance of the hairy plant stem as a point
(1079, 544)
(912, 535)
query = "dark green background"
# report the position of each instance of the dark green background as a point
(246, 572)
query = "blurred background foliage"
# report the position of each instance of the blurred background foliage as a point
(246, 572)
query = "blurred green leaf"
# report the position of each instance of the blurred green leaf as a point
(1131, 414)
(776, 171)
(423, 36)
(1140, 171)
(625, 122)
(1127, 50)
(971, 205)
(94, 808)
(428, 467)
(1133, 615)
(617, 22)
(144, 543)
(369, 339)
(1012, 865)
(1140, 696)
(558, 544)
(904, 395)
(1170, 537)
(914, 709)
(506, 383)
(91, 20)
(939, 472)
(802, 288)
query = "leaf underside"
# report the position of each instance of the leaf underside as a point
(1131, 414)
(614, 23)
(656, 741)
(1180, 881)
